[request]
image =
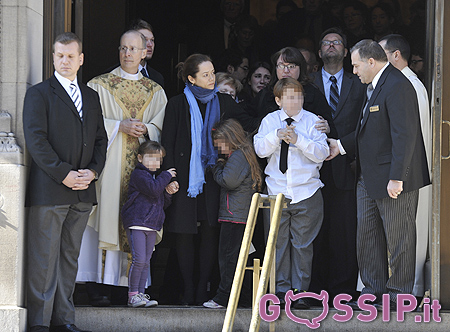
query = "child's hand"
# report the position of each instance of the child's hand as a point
(283, 134)
(172, 187)
(291, 135)
(172, 172)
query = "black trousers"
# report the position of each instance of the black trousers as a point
(231, 235)
(335, 267)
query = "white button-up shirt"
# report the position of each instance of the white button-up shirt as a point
(305, 157)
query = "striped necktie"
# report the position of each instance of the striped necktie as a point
(76, 98)
(334, 94)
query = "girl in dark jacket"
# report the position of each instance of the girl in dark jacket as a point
(239, 176)
(143, 216)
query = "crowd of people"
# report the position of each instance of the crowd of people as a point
(350, 150)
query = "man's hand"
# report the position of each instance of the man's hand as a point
(322, 125)
(394, 188)
(79, 180)
(132, 127)
(334, 148)
(172, 187)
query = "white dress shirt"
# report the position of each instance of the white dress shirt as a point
(305, 157)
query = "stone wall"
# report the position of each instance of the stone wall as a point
(21, 40)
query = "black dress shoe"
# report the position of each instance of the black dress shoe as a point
(392, 306)
(66, 328)
(281, 297)
(38, 328)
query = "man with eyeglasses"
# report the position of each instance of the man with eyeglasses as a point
(335, 268)
(133, 109)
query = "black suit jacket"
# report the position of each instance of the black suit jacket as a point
(388, 140)
(58, 142)
(351, 101)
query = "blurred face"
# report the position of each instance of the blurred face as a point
(416, 64)
(362, 68)
(291, 101)
(259, 80)
(332, 53)
(149, 42)
(131, 52)
(205, 77)
(222, 146)
(152, 161)
(231, 10)
(245, 37)
(67, 59)
(312, 5)
(381, 23)
(353, 19)
(228, 89)
(286, 69)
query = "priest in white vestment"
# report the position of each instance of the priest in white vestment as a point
(133, 110)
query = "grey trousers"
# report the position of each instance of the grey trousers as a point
(54, 240)
(386, 225)
(299, 225)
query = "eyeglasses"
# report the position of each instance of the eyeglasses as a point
(289, 67)
(416, 61)
(244, 68)
(132, 49)
(329, 42)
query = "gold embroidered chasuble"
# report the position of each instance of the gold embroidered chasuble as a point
(121, 99)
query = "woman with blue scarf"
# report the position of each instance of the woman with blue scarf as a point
(192, 217)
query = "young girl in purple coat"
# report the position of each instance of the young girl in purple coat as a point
(143, 215)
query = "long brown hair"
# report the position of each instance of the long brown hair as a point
(233, 133)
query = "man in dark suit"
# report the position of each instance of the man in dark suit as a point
(147, 30)
(334, 264)
(391, 167)
(66, 138)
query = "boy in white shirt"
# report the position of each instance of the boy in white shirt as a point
(295, 150)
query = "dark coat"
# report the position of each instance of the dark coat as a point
(235, 180)
(351, 101)
(147, 199)
(59, 142)
(181, 216)
(388, 140)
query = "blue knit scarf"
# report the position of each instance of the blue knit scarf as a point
(203, 153)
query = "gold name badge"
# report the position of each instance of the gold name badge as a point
(374, 108)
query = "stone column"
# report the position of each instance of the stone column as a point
(21, 40)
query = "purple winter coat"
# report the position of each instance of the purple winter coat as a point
(147, 199)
